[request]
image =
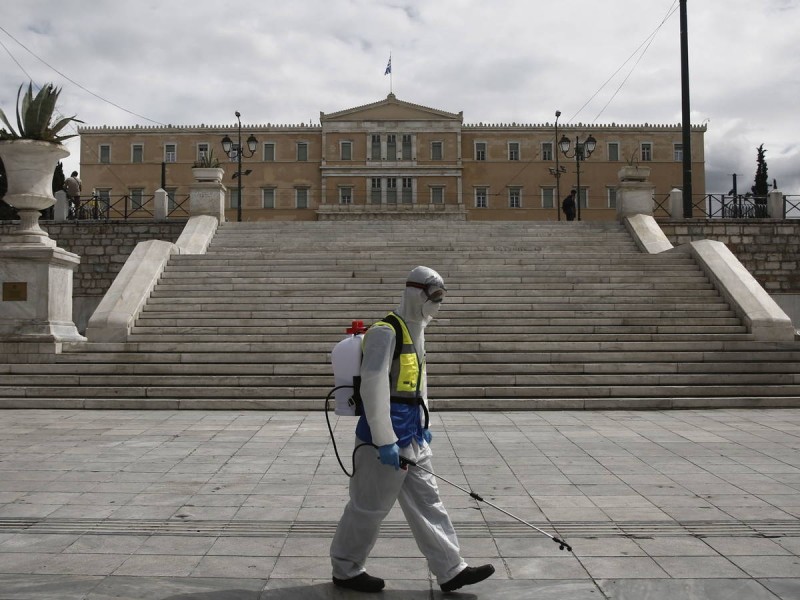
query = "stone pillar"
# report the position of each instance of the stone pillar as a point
(36, 303)
(635, 192)
(160, 208)
(676, 203)
(207, 198)
(775, 204)
(61, 210)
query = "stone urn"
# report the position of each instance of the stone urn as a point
(633, 173)
(29, 168)
(208, 173)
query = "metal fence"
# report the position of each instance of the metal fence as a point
(723, 206)
(114, 208)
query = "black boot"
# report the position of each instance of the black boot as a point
(363, 583)
(468, 576)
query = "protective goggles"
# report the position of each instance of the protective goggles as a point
(433, 292)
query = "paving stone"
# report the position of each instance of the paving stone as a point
(686, 589)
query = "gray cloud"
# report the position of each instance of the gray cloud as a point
(196, 61)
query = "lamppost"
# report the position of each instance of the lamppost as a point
(557, 171)
(582, 151)
(230, 148)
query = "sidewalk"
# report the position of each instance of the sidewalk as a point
(226, 505)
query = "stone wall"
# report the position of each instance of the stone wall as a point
(103, 247)
(768, 248)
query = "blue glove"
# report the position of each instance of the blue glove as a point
(390, 455)
(426, 433)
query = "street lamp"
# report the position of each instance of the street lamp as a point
(557, 171)
(582, 151)
(230, 148)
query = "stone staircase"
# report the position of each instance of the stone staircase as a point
(538, 315)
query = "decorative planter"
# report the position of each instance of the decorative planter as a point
(29, 168)
(633, 173)
(207, 173)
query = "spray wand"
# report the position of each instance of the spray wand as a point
(562, 545)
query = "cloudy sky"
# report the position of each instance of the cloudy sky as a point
(123, 62)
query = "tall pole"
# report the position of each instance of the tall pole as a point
(686, 116)
(239, 169)
(578, 153)
(558, 173)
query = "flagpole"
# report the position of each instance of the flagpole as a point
(391, 86)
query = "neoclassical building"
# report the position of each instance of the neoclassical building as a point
(389, 156)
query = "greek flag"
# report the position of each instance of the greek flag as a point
(388, 67)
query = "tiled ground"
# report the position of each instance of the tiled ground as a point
(229, 505)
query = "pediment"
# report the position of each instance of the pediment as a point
(390, 109)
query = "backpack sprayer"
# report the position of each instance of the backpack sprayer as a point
(346, 361)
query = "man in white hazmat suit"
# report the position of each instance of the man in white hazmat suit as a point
(395, 419)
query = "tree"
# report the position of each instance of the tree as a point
(761, 187)
(58, 177)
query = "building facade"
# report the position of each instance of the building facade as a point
(388, 157)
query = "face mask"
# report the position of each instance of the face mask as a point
(429, 310)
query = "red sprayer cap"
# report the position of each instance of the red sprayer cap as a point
(356, 328)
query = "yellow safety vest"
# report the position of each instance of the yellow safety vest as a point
(406, 372)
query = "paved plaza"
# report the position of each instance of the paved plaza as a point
(224, 505)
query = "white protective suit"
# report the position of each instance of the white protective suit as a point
(375, 487)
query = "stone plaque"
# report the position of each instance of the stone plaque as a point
(15, 291)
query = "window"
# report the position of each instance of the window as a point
(235, 198)
(583, 197)
(406, 146)
(269, 152)
(268, 197)
(202, 151)
(613, 151)
(346, 151)
(170, 153)
(514, 198)
(480, 150)
(548, 197)
(647, 151)
(302, 151)
(104, 198)
(391, 190)
(408, 193)
(436, 151)
(137, 153)
(481, 200)
(137, 198)
(391, 146)
(105, 154)
(611, 194)
(375, 153)
(437, 195)
(547, 150)
(345, 195)
(375, 191)
(301, 197)
(513, 150)
(677, 152)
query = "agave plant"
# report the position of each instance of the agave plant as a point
(207, 160)
(35, 119)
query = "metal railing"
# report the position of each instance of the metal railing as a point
(116, 208)
(725, 206)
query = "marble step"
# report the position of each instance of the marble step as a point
(461, 325)
(318, 393)
(289, 348)
(516, 330)
(135, 367)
